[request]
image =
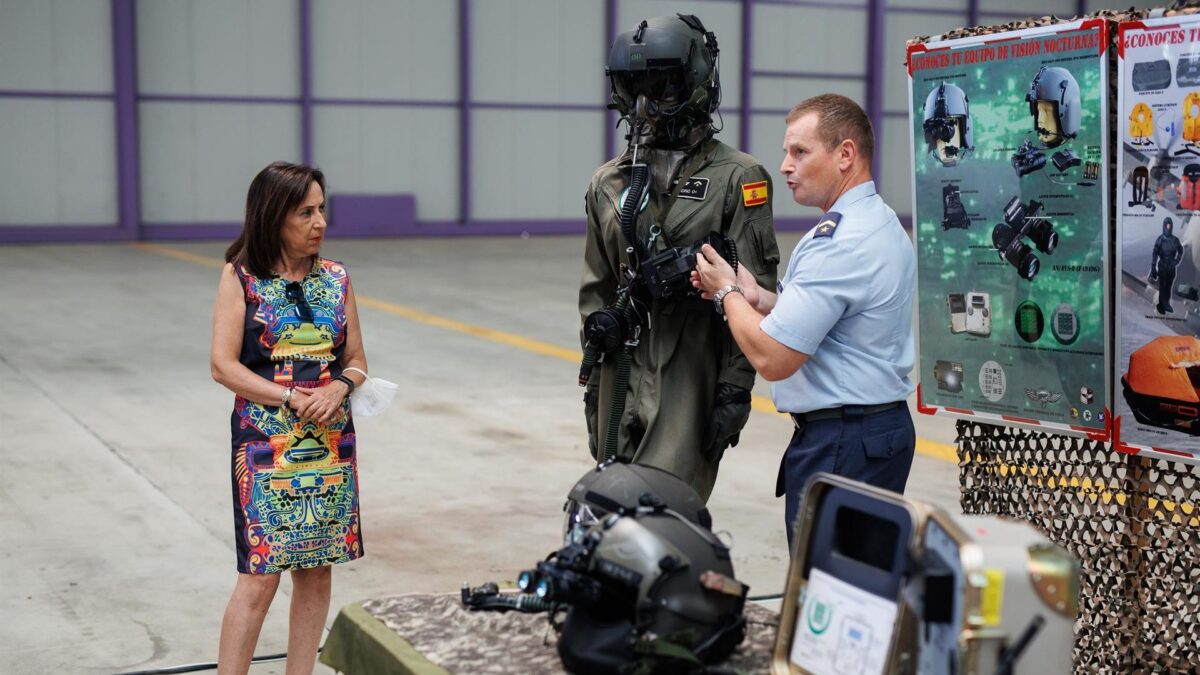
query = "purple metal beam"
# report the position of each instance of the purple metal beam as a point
(747, 75)
(306, 97)
(876, 34)
(942, 11)
(214, 98)
(800, 74)
(61, 234)
(74, 95)
(826, 4)
(972, 12)
(386, 102)
(464, 120)
(124, 49)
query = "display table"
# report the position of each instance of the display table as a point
(432, 634)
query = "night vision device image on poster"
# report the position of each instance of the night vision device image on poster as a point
(1158, 238)
(1010, 220)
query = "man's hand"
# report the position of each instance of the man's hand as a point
(712, 274)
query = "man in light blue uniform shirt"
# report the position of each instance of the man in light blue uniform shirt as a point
(837, 339)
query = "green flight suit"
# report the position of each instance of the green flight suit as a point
(686, 350)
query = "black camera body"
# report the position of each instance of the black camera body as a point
(667, 274)
(1020, 221)
(1028, 159)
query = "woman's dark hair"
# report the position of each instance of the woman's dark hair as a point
(273, 193)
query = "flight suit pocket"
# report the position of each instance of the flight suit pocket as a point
(885, 446)
(762, 233)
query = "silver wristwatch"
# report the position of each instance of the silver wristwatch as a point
(719, 297)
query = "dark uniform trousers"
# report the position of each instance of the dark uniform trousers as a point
(872, 447)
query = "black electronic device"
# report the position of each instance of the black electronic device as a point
(954, 216)
(1065, 159)
(1020, 221)
(668, 274)
(1028, 159)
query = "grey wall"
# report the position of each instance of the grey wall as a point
(503, 128)
(56, 154)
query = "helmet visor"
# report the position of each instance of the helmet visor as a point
(576, 521)
(661, 85)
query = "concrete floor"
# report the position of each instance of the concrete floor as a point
(115, 493)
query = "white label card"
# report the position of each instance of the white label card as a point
(841, 629)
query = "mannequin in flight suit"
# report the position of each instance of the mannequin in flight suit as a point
(688, 392)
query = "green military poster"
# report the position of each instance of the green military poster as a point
(1010, 218)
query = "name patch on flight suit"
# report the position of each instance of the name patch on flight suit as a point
(754, 194)
(694, 188)
(827, 225)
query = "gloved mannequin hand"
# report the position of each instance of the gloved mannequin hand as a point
(591, 398)
(730, 413)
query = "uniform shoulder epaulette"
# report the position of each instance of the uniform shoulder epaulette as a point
(827, 225)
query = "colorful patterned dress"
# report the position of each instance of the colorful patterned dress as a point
(295, 483)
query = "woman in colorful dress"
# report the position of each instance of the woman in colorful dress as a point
(286, 341)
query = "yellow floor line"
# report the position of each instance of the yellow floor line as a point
(207, 261)
(924, 447)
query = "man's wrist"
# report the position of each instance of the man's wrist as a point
(719, 297)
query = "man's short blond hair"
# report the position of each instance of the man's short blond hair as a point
(838, 118)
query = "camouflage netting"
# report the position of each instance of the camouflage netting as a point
(1133, 522)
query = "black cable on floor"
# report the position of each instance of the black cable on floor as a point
(210, 665)
(762, 598)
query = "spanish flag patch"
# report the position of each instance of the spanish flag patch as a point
(754, 194)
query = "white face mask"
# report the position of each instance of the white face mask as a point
(372, 396)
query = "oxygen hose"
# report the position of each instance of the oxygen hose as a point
(639, 177)
(617, 407)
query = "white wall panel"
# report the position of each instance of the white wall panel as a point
(533, 164)
(56, 45)
(197, 160)
(385, 49)
(900, 28)
(893, 165)
(390, 150)
(722, 18)
(219, 47)
(810, 39)
(782, 93)
(766, 144)
(544, 51)
(57, 164)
